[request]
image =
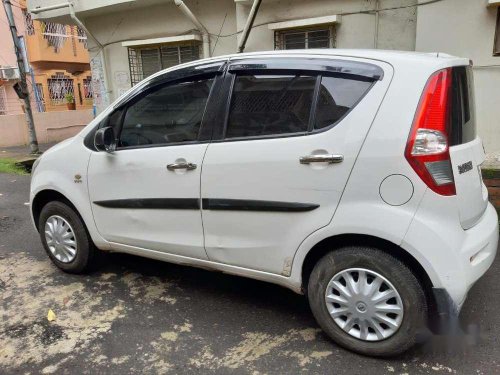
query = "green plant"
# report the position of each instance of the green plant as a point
(490, 173)
(11, 166)
(69, 97)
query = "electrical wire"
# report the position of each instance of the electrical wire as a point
(368, 11)
(218, 36)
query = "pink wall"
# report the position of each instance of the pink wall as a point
(50, 126)
(8, 57)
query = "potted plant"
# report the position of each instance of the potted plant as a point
(70, 101)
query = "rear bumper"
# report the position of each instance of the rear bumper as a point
(480, 247)
(453, 258)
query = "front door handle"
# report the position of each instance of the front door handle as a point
(322, 158)
(187, 166)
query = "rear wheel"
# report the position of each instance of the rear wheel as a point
(65, 237)
(367, 301)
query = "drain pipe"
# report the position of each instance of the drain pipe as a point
(375, 37)
(202, 29)
(102, 56)
(248, 25)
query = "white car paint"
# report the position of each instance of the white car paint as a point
(453, 238)
(116, 175)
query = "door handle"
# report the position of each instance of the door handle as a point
(187, 166)
(325, 158)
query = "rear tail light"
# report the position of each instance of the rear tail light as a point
(427, 149)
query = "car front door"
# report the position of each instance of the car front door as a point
(146, 194)
(288, 139)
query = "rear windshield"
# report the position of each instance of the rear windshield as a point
(463, 120)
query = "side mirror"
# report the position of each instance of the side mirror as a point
(105, 139)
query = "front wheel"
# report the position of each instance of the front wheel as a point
(367, 301)
(65, 237)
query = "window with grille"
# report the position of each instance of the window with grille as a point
(30, 27)
(305, 38)
(81, 36)
(55, 34)
(145, 61)
(3, 101)
(88, 93)
(59, 85)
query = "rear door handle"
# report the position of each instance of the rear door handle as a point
(187, 166)
(325, 158)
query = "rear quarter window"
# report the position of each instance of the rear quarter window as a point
(337, 96)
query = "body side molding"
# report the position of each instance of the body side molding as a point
(208, 204)
(256, 205)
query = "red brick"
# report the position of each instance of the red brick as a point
(492, 182)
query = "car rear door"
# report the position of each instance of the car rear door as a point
(289, 133)
(466, 149)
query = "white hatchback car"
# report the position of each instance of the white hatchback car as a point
(351, 176)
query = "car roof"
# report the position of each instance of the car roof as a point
(393, 57)
(376, 54)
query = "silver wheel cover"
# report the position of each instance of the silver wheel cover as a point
(60, 239)
(364, 304)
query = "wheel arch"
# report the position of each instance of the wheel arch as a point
(338, 241)
(45, 196)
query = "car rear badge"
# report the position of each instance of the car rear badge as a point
(465, 167)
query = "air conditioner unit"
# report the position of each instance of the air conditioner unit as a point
(9, 73)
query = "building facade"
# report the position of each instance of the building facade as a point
(134, 39)
(59, 61)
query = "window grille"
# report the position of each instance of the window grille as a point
(55, 34)
(148, 60)
(88, 93)
(60, 85)
(3, 101)
(30, 27)
(305, 38)
(82, 37)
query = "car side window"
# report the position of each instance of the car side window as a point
(263, 105)
(336, 97)
(170, 113)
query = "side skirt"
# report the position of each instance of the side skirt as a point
(284, 281)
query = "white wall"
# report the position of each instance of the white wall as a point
(396, 28)
(157, 21)
(467, 28)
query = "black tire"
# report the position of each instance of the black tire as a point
(405, 282)
(85, 246)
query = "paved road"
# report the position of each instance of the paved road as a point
(134, 315)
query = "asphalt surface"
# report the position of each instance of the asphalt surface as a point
(133, 315)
